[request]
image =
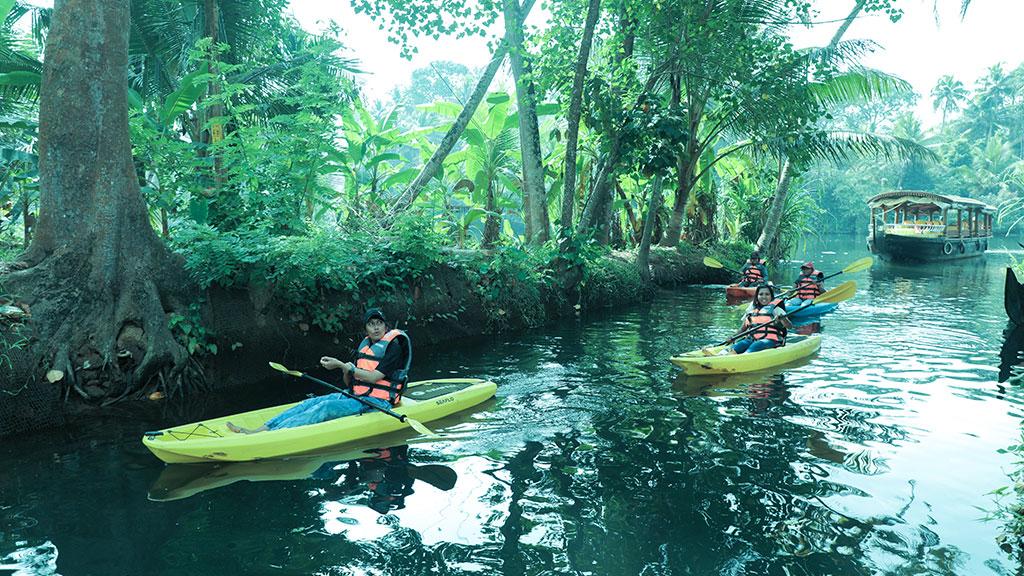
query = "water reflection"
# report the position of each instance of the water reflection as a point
(28, 560)
(873, 457)
(384, 474)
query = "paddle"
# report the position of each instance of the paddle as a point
(416, 425)
(437, 475)
(856, 266)
(712, 263)
(842, 292)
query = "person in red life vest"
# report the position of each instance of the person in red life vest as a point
(810, 284)
(768, 313)
(754, 272)
(379, 374)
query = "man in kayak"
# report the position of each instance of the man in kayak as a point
(378, 375)
(754, 272)
(768, 313)
(810, 284)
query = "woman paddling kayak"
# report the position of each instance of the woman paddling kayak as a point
(764, 309)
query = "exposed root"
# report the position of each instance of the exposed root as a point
(110, 350)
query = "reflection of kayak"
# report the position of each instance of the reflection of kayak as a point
(697, 363)
(210, 440)
(179, 481)
(799, 310)
(749, 384)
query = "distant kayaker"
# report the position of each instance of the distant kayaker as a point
(763, 310)
(754, 271)
(379, 375)
(810, 284)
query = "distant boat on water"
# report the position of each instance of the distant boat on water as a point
(917, 226)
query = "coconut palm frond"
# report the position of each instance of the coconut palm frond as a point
(847, 52)
(857, 86)
(843, 146)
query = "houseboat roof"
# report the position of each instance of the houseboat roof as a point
(897, 197)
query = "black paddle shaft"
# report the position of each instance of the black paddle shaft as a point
(401, 417)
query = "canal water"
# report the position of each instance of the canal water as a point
(876, 456)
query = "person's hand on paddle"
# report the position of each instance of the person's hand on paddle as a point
(333, 363)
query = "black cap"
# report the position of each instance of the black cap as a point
(374, 313)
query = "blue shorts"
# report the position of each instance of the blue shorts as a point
(322, 409)
(751, 345)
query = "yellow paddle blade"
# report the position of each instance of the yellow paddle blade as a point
(281, 368)
(419, 427)
(712, 263)
(844, 291)
(859, 265)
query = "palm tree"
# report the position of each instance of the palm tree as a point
(948, 95)
(835, 145)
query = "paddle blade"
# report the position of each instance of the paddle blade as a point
(437, 475)
(419, 427)
(844, 291)
(712, 263)
(281, 368)
(860, 265)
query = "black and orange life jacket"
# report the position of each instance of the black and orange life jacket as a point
(370, 356)
(808, 286)
(764, 315)
(753, 274)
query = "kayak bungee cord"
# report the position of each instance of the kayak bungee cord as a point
(182, 435)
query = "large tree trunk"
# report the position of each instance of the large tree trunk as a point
(97, 278)
(594, 208)
(534, 196)
(575, 109)
(643, 255)
(774, 218)
(451, 138)
(686, 169)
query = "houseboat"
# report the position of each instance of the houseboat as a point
(915, 226)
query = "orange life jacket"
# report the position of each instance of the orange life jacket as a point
(370, 356)
(807, 286)
(764, 315)
(753, 274)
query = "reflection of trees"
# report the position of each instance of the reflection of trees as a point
(712, 490)
(968, 280)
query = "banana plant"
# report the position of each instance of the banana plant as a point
(371, 161)
(488, 166)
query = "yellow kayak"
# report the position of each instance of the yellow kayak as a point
(696, 363)
(211, 441)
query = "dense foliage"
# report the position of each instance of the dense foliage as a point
(249, 130)
(979, 146)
